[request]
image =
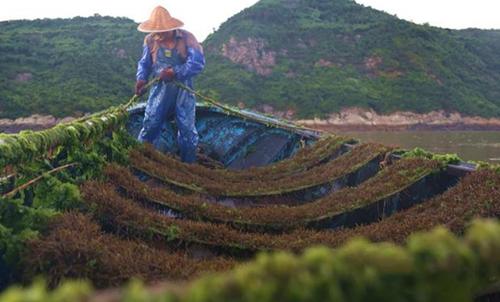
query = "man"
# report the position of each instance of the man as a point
(172, 54)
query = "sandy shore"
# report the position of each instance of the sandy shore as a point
(356, 119)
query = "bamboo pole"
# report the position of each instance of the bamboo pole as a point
(36, 179)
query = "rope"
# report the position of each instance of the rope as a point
(125, 106)
(136, 97)
(225, 108)
(236, 112)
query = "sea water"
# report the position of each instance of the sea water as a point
(469, 145)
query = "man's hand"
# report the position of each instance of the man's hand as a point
(139, 87)
(167, 74)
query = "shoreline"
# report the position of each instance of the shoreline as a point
(397, 128)
(349, 119)
(358, 119)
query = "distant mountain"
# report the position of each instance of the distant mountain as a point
(309, 57)
(318, 56)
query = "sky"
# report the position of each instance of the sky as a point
(202, 16)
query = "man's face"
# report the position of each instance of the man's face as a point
(166, 35)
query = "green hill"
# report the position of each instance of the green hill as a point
(64, 66)
(311, 56)
(317, 56)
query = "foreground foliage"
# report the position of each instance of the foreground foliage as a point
(434, 266)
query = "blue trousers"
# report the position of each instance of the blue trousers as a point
(166, 100)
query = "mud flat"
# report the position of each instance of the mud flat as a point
(34, 122)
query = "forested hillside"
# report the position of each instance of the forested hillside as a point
(317, 56)
(66, 66)
(310, 57)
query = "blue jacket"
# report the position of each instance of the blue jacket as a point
(187, 45)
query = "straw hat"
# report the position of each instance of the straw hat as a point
(160, 21)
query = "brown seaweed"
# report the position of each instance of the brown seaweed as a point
(76, 248)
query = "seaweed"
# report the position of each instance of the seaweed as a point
(130, 219)
(387, 182)
(16, 149)
(89, 254)
(432, 266)
(476, 195)
(323, 150)
(228, 186)
(75, 247)
(445, 159)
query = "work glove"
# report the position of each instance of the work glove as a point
(167, 74)
(139, 87)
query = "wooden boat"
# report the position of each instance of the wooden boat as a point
(262, 183)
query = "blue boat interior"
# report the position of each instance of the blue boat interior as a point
(235, 142)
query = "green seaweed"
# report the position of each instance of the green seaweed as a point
(444, 159)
